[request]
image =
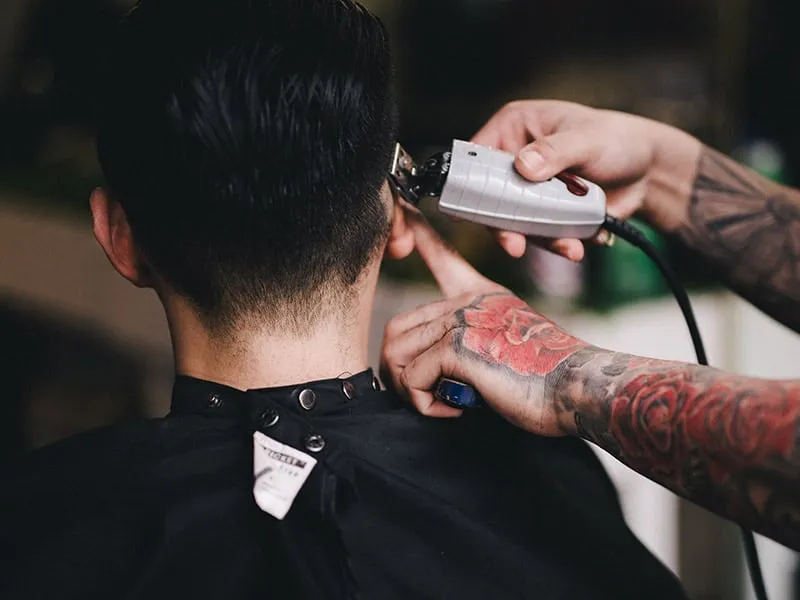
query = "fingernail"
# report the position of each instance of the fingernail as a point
(560, 247)
(566, 250)
(532, 160)
(574, 255)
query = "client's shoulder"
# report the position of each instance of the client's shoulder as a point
(101, 462)
(469, 456)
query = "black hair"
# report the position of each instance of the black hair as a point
(248, 142)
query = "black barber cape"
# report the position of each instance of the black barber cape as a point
(398, 506)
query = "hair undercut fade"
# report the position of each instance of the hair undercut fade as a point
(248, 142)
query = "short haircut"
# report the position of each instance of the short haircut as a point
(248, 142)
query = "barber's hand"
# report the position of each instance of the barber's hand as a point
(644, 167)
(480, 334)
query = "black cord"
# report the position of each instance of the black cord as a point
(632, 235)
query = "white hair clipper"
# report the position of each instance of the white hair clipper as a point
(480, 184)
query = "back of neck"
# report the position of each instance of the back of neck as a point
(272, 356)
(271, 360)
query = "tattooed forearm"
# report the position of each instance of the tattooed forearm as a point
(728, 443)
(748, 229)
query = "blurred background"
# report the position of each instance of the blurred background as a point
(81, 348)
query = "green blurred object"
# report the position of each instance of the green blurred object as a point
(623, 274)
(766, 158)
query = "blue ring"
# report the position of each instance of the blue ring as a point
(457, 394)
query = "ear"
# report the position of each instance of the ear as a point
(113, 233)
(401, 239)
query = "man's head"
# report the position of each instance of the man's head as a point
(245, 145)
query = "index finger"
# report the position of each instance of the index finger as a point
(501, 134)
(503, 129)
(519, 123)
(488, 135)
(451, 271)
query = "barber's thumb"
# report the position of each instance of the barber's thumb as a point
(548, 156)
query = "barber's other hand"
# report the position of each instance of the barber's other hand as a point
(480, 334)
(645, 167)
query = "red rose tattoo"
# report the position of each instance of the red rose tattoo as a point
(645, 419)
(505, 331)
(727, 442)
(760, 424)
(663, 418)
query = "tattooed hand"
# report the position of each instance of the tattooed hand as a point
(480, 334)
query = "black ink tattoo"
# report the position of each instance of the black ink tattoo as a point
(748, 229)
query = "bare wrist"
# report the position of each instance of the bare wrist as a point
(671, 178)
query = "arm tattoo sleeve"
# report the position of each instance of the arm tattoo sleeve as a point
(747, 228)
(728, 443)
